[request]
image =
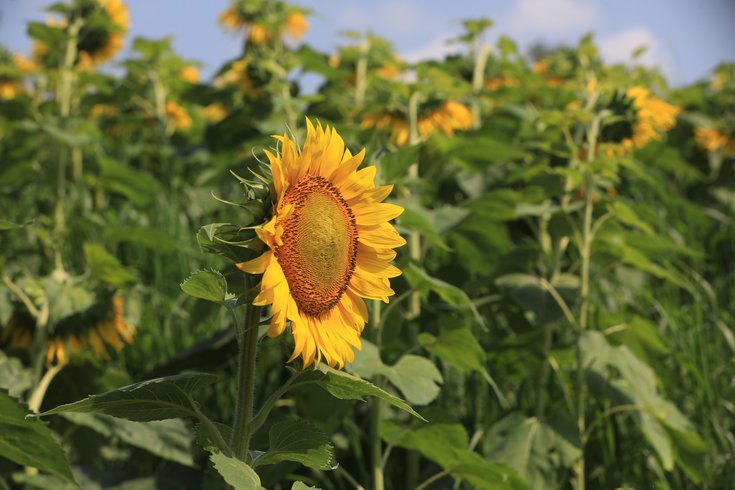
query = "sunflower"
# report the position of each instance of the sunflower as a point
(654, 116)
(99, 45)
(9, 89)
(179, 117)
(714, 140)
(447, 118)
(296, 25)
(329, 246)
(101, 326)
(189, 74)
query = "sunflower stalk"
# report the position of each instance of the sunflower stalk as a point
(247, 345)
(584, 293)
(414, 242)
(376, 445)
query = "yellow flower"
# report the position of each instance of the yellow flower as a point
(214, 112)
(237, 74)
(329, 246)
(9, 89)
(296, 25)
(108, 329)
(654, 116)
(189, 74)
(178, 116)
(258, 34)
(496, 83)
(117, 11)
(447, 118)
(98, 111)
(714, 140)
(24, 64)
(230, 20)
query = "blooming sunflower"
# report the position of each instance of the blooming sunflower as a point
(329, 246)
(654, 116)
(103, 324)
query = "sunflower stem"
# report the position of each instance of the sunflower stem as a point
(376, 445)
(248, 345)
(584, 294)
(414, 242)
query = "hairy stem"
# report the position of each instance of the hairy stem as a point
(248, 345)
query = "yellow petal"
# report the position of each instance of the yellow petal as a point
(375, 213)
(256, 266)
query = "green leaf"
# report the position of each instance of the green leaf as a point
(66, 299)
(394, 166)
(208, 285)
(299, 441)
(487, 475)
(446, 445)
(299, 485)
(122, 179)
(106, 268)
(532, 447)
(168, 439)
(29, 442)
(9, 225)
(348, 387)
(416, 377)
(155, 399)
(14, 378)
(454, 296)
(634, 384)
(539, 306)
(143, 236)
(236, 473)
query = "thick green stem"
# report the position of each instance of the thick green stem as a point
(376, 445)
(414, 241)
(361, 74)
(478, 80)
(584, 295)
(248, 345)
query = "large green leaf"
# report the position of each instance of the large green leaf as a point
(168, 439)
(634, 384)
(537, 450)
(538, 304)
(236, 473)
(454, 296)
(348, 387)
(416, 377)
(29, 442)
(155, 399)
(393, 166)
(446, 445)
(299, 441)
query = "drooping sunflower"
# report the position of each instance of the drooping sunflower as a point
(448, 117)
(329, 246)
(101, 325)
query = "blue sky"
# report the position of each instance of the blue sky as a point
(685, 38)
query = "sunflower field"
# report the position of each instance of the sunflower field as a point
(491, 271)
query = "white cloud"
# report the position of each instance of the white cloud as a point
(435, 49)
(396, 19)
(532, 18)
(618, 47)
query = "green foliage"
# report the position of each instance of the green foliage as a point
(29, 442)
(563, 317)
